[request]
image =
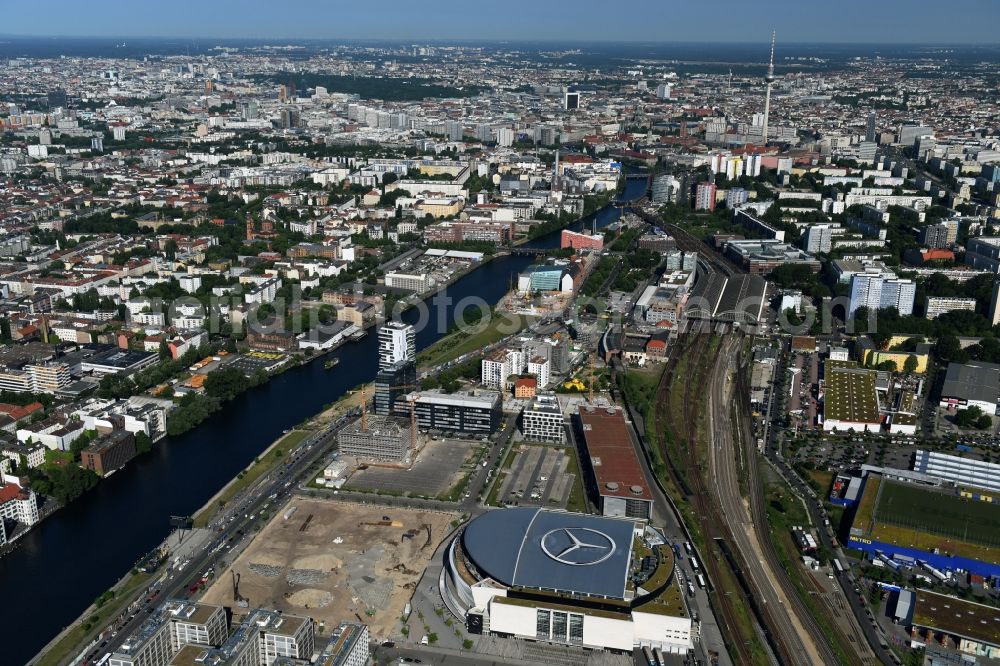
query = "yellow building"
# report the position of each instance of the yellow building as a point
(443, 207)
(874, 357)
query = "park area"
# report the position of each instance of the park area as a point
(334, 560)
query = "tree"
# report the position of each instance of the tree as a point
(968, 418)
(143, 444)
(910, 365)
(164, 350)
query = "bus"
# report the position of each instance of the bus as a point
(648, 656)
(838, 566)
(103, 660)
(694, 564)
(701, 581)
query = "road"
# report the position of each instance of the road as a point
(232, 528)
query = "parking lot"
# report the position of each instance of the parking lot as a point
(439, 466)
(537, 476)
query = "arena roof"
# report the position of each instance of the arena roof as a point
(552, 550)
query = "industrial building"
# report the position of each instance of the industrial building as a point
(616, 473)
(933, 619)
(479, 414)
(971, 385)
(542, 420)
(381, 438)
(566, 578)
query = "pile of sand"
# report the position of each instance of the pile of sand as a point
(310, 598)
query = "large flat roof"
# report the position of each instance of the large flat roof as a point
(972, 381)
(571, 553)
(850, 394)
(612, 454)
(958, 617)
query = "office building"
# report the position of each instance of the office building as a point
(938, 305)
(392, 383)
(109, 453)
(479, 415)
(382, 438)
(201, 624)
(542, 420)
(871, 127)
(571, 101)
(281, 635)
(416, 283)
(349, 646)
(878, 293)
(704, 197)
(396, 342)
(663, 91)
(818, 238)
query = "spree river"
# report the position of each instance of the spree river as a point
(63, 564)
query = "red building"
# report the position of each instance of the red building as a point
(579, 241)
(704, 197)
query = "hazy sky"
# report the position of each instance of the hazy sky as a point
(871, 21)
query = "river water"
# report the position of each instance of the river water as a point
(63, 564)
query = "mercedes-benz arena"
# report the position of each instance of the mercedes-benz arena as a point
(569, 578)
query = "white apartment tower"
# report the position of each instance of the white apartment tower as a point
(396, 342)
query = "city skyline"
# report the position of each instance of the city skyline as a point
(559, 20)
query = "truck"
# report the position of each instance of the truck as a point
(647, 654)
(694, 564)
(701, 581)
(690, 589)
(838, 567)
(687, 547)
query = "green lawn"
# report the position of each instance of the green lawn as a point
(462, 342)
(261, 466)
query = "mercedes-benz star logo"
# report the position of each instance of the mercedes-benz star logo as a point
(578, 546)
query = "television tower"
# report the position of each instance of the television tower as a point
(769, 79)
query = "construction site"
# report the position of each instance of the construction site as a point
(335, 561)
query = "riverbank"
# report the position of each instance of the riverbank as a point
(140, 502)
(262, 464)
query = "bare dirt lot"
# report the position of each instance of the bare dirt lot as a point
(298, 566)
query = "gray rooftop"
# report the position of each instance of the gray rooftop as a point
(974, 381)
(552, 550)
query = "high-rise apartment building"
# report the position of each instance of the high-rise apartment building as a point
(704, 196)
(818, 238)
(876, 292)
(396, 342)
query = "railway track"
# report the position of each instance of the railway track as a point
(694, 347)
